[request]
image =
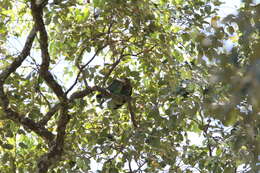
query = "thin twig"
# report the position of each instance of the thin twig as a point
(82, 68)
(93, 57)
(129, 165)
(115, 64)
(132, 114)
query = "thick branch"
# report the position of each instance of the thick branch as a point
(53, 110)
(49, 114)
(30, 124)
(103, 91)
(44, 69)
(26, 122)
(75, 95)
(22, 56)
(9, 113)
(56, 150)
(81, 94)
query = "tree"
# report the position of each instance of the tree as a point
(184, 81)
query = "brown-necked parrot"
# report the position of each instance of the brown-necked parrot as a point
(118, 87)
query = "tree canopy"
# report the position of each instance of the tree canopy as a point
(194, 104)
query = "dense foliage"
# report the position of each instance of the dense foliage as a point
(194, 76)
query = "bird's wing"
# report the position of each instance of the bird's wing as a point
(115, 87)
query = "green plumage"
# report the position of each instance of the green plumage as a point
(118, 87)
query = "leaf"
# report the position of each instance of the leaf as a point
(22, 145)
(99, 3)
(9, 134)
(214, 21)
(230, 118)
(134, 73)
(7, 146)
(6, 156)
(114, 170)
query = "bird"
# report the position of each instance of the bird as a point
(118, 87)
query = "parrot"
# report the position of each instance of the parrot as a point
(118, 87)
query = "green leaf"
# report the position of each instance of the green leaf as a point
(7, 146)
(113, 170)
(23, 145)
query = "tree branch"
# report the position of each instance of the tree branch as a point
(56, 150)
(26, 122)
(30, 124)
(37, 11)
(54, 109)
(85, 92)
(84, 66)
(49, 114)
(9, 113)
(132, 114)
(21, 57)
(93, 57)
(114, 65)
(120, 58)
